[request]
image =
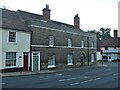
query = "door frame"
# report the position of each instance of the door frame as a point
(38, 59)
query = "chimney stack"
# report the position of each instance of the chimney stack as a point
(76, 22)
(115, 33)
(46, 12)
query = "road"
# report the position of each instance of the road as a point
(92, 77)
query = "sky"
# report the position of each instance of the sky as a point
(93, 14)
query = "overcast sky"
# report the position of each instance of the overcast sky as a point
(93, 14)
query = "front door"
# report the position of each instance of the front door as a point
(25, 61)
(35, 61)
(82, 59)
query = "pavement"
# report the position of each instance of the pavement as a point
(13, 74)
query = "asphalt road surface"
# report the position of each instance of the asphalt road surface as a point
(92, 77)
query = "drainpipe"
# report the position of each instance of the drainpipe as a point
(88, 49)
(31, 51)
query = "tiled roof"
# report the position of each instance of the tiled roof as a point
(35, 19)
(111, 42)
(12, 20)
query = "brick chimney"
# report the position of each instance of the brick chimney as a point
(46, 12)
(115, 33)
(76, 22)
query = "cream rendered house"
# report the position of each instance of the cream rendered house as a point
(14, 42)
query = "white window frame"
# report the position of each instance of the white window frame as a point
(82, 43)
(69, 59)
(69, 42)
(38, 54)
(9, 37)
(92, 45)
(9, 60)
(51, 59)
(51, 41)
(92, 57)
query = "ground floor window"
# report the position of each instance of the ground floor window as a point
(10, 58)
(92, 58)
(51, 61)
(69, 59)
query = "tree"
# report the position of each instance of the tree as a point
(103, 33)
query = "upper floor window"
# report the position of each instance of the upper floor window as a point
(51, 40)
(12, 37)
(92, 44)
(69, 43)
(82, 44)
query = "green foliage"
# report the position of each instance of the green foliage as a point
(103, 33)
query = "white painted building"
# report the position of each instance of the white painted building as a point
(12, 53)
(14, 43)
(112, 48)
(111, 54)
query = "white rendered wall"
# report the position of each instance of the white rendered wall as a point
(22, 45)
(1, 48)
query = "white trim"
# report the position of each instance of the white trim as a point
(28, 60)
(11, 66)
(53, 61)
(17, 57)
(51, 66)
(38, 60)
(8, 37)
(61, 47)
(69, 59)
(69, 41)
(36, 26)
(69, 64)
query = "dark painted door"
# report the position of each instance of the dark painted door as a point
(25, 61)
(35, 61)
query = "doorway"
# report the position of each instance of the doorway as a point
(82, 59)
(25, 68)
(35, 61)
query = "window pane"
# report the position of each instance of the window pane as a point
(70, 59)
(51, 61)
(82, 43)
(12, 36)
(10, 58)
(69, 42)
(51, 41)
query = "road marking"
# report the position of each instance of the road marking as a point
(69, 69)
(85, 81)
(59, 74)
(2, 83)
(61, 80)
(108, 69)
(115, 77)
(74, 84)
(49, 77)
(90, 80)
(114, 74)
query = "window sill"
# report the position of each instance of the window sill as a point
(51, 66)
(12, 43)
(70, 64)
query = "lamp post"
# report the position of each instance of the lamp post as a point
(101, 50)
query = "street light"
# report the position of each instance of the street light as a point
(101, 50)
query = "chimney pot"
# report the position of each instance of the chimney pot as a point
(115, 33)
(76, 21)
(46, 13)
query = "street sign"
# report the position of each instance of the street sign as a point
(102, 48)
